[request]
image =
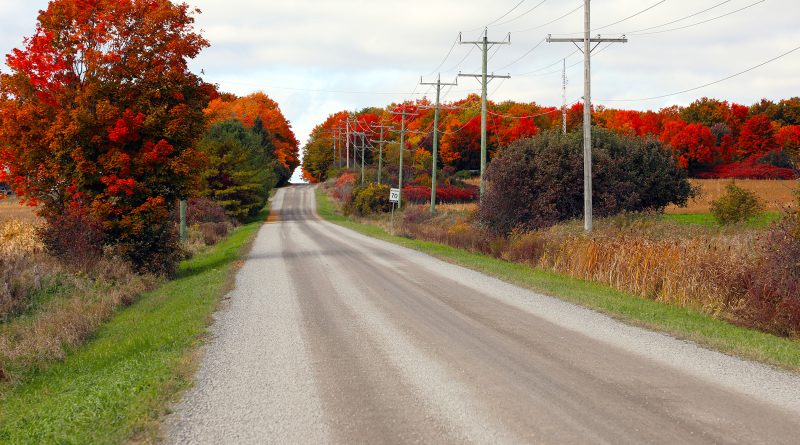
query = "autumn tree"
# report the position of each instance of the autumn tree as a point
(240, 170)
(248, 110)
(757, 136)
(98, 117)
(692, 144)
(789, 138)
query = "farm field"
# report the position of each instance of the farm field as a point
(775, 194)
(10, 209)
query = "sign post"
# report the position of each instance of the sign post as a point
(394, 198)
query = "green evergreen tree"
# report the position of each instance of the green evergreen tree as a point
(241, 170)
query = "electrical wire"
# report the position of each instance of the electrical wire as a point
(455, 42)
(551, 21)
(706, 84)
(618, 21)
(521, 15)
(506, 14)
(555, 110)
(695, 14)
(524, 55)
(698, 23)
(548, 66)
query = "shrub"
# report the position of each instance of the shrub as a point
(735, 206)
(371, 198)
(537, 182)
(204, 210)
(420, 194)
(773, 165)
(74, 237)
(773, 297)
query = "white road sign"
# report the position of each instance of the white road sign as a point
(394, 195)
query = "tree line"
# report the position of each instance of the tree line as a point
(709, 138)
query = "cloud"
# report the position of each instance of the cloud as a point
(384, 46)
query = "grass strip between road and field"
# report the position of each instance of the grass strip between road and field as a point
(115, 388)
(680, 322)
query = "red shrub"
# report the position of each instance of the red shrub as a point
(750, 168)
(420, 194)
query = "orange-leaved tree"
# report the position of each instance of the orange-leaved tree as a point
(247, 110)
(98, 118)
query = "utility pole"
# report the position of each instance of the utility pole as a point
(587, 105)
(363, 149)
(564, 97)
(347, 135)
(380, 143)
(438, 85)
(335, 134)
(403, 115)
(484, 45)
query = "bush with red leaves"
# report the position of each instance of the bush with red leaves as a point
(750, 168)
(421, 194)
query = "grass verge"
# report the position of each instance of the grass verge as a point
(115, 387)
(760, 221)
(680, 322)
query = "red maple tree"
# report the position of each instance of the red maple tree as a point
(99, 115)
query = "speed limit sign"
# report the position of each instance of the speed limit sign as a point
(394, 195)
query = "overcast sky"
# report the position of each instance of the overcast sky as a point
(316, 57)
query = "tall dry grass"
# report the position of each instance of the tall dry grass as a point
(689, 266)
(46, 308)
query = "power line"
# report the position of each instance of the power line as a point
(706, 84)
(548, 66)
(551, 21)
(618, 21)
(507, 13)
(695, 14)
(455, 42)
(524, 55)
(523, 14)
(698, 23)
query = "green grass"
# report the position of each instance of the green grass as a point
(680, 322)
(115, 387)
(707, 219)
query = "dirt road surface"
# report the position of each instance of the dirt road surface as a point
(333, 337)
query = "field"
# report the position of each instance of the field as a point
(10, 210)
(775, 194)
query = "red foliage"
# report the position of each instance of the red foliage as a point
(789, 138)
(750, 168)
(693, 144)
(421, 194)
(100, 112)
(757, 136)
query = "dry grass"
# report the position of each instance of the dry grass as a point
(684, 265)
(775, 194)
(10, 210)
(44, 309)
(468, 207)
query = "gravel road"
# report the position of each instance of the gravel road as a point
(334, 337)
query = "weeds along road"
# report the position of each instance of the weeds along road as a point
(333, 337)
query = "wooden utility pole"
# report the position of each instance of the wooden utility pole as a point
(587, 105)
(403, 115)
(484, 45)
(380, 143)
(434, 167)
